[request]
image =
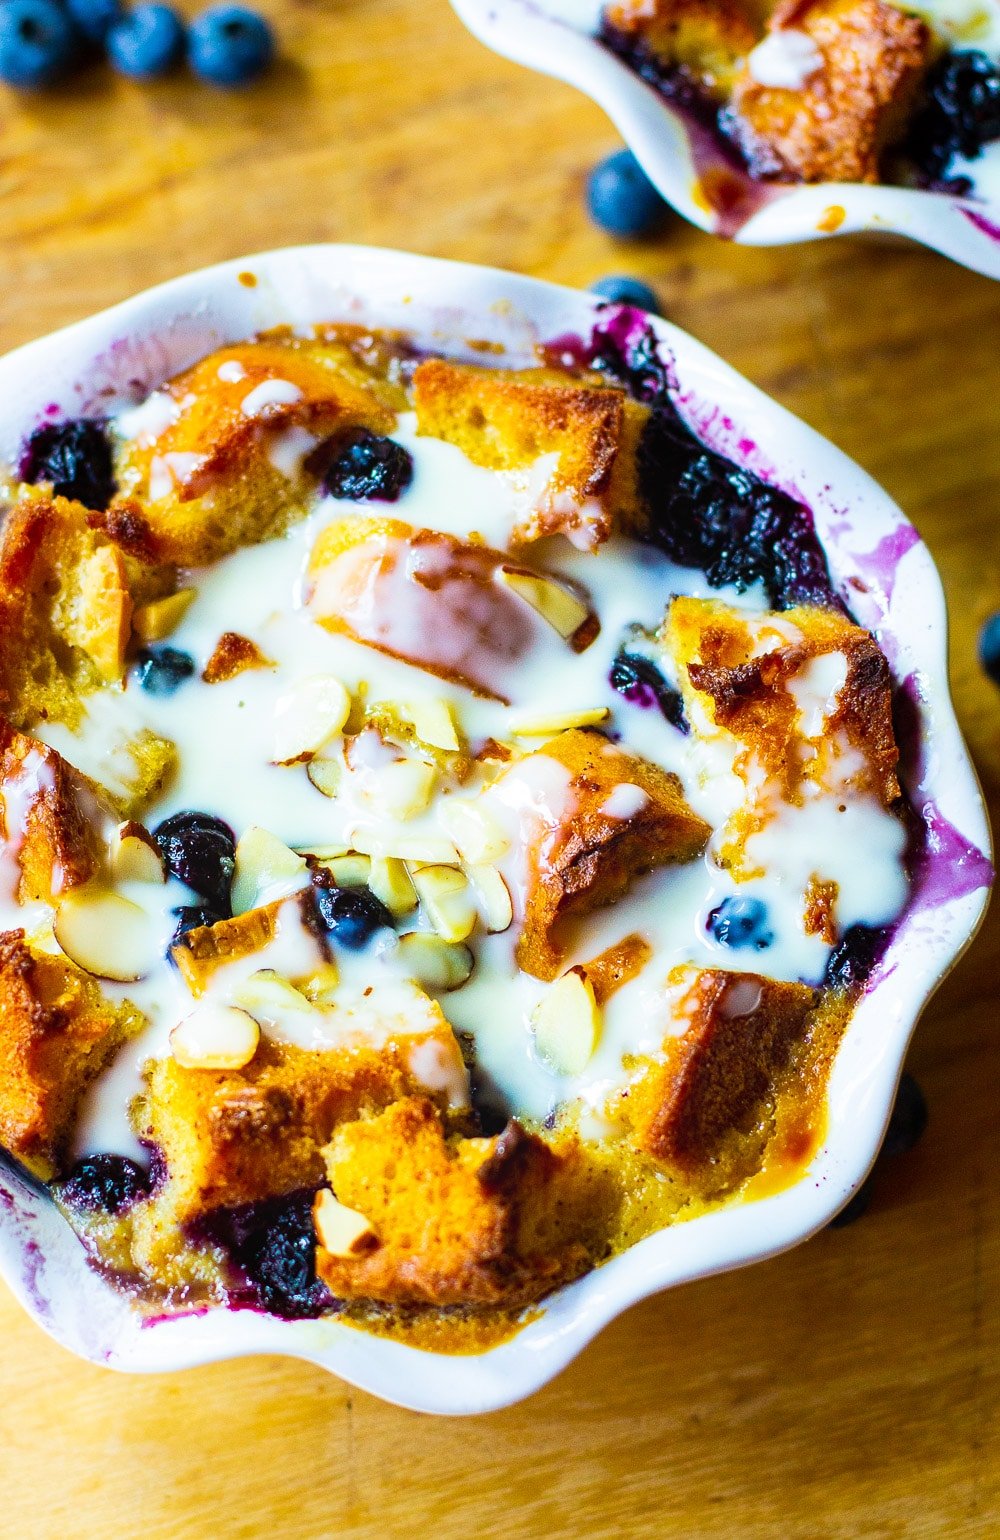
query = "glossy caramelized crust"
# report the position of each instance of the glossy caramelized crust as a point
(210, 481)
(739, 674)
(57, 1032)
(227, 1138)
(705, 39)
(837, 125)
(591, 857)
(506, 420)
(199, 952)
(497, 1221)
(730, 1035)
(48, 812)
(233, 654)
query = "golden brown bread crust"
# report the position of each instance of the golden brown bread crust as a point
(837, 126)
(477, 1222)
(57, 1032)
(713, 1079)
(704, 39)
(506, 419)
(615, 967)
(233, 654)
(224, 492)
(200, 951)
(48, 811)
(589, 860)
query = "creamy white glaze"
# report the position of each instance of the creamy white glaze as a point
(225, 734)
(786, 59)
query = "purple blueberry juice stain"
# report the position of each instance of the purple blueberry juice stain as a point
(879, 567)
(980, 222)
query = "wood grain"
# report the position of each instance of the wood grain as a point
(848, 1389)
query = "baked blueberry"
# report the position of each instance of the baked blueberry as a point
(622, 199)
(162, 670)
(273, 1244)
(741, 921)
(192, 917)
(961, 112)
(94, 17)
(640, 681)
(38, 43)
(147, 42)
(853, 958)
(229, 45)
(369, 467)
(908, 1119)
(200, 850)
(74, 456)
(351, 916)
(105, 1184)
(989, 647)
(620, 289)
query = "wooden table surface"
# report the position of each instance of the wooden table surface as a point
(847, 1389)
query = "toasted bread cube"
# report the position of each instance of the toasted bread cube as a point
(782, 682)
(50, 818)
(215, 477)
(66, 599)
(429, 598)
(57, 1033)
(731, 1035)
(837, 125)
(609, 816)
(705, 40)
(233, 654)
(460, 1221)
(507, 419)
(202, 951)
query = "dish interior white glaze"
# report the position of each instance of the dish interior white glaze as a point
(126, 353)
(557, 38)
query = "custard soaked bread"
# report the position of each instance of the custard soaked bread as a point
(414, 889)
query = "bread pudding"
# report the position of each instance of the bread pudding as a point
(450, 816)
(903, 91)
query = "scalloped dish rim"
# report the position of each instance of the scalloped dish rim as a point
(448, 305)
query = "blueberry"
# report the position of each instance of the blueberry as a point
(854, 1207)
(162, 670)
(907, 1120)
(200, 850)
(74, 456)
(855, 955)
(147, 42)
(961, 112)
(623, 290)
(640, 681)
(94, 17)
(230, 46)
(273, 1244)
(622, 199)
(741, 922)
(38, 43)
(106, 1184)
(352, 916)
(369, 466)
(989, 647)
(192, 917)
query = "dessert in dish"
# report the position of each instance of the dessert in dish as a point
(450, 817)
(828, 90)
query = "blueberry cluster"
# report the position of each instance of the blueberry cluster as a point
(200, 851)
(75, 456)
(273, 1248)
(105, 1184)
(961, 112)
(638, 679)
(368, 467)
(43, 41)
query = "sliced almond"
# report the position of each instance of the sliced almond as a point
(325, 774)
(271, 998)
(320, 988)
(106, 934)
(546, 723)
(477, 835)
(414, 849)
(564, 610)
(434, 724)
(448, 901)
(215, 1037)
(152, 622)
(438, 965)
(308, 716)
(135, 855)
(349, 871)
(494, 897)
(567, 1023)
(265, 867)
(341, 1231)
(389, 880)
(401, 789)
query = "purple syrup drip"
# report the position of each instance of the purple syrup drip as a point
(879, 566)
(987, 226)
(946, 865)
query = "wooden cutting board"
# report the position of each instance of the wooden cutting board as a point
(849, 1389)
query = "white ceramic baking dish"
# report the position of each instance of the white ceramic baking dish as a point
(558, 38)
(126, 351)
